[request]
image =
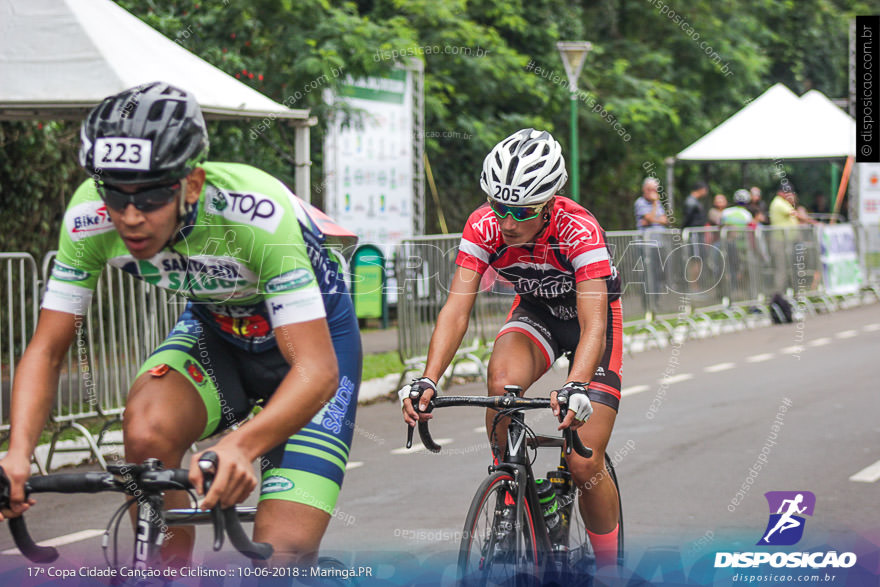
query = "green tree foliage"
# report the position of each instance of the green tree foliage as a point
(661, 75)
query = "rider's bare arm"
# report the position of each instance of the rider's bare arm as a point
(592, 309)
(452, 323)
(309, 385)
(33, 392)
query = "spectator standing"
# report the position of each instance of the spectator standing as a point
(782, 208)
(719, 203)
(693, 210)
(757, 206)
(649, 210)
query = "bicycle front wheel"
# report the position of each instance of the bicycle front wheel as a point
(495, 548)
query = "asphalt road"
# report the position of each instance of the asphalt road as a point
(801, 400)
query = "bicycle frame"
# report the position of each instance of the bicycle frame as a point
(517, 464)
(515, 461)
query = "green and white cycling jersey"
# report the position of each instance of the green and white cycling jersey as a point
(250, 259)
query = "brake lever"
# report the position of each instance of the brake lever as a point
(409, 435)
(208, 467)
(562, 400)
(413, 396)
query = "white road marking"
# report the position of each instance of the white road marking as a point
(792, 350)
(635, 389)
(847, 334)
(417, 446)
(759, 358)
(676, 378)
(820, 341)
(62, 540)
(354, 465)
(719, 367)
(868, 475)
(871, 327)
(480, 429)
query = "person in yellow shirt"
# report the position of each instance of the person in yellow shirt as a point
(782, 208)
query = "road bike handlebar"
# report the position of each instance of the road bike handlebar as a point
(498, 402)
(149, 481)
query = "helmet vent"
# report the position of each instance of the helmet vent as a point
(534, 167)
(107, 110)
(511, 170)
(156, 110)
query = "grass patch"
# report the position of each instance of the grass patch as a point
(380, 365)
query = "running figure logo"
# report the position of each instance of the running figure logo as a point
(786, 526)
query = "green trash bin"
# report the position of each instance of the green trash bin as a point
(368, 283)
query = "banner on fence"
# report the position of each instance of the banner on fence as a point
(840, 260)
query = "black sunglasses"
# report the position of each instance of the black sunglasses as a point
(147, 199)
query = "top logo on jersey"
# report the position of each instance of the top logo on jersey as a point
(253, 209)
(87, 219)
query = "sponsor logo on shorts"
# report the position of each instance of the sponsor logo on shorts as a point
(64, 272)
(276, 484)
(288, 281)
(536, 325)
(194, 372)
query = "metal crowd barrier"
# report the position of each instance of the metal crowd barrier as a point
(19, 300)
(424, 267)
(868, 243)
(670, 278)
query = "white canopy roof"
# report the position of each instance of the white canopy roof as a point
(58, 58)
(779, 125)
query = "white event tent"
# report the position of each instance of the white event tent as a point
(59, 58)
(777, 125)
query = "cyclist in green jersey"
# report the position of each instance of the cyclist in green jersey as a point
(264, 296)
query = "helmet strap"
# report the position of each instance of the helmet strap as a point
(546, 214)
(183, 211)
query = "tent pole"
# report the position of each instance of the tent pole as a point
(670, 180)
(303, 163)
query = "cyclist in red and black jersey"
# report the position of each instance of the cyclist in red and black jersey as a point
(554, 253)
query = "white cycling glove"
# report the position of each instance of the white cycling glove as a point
(574, 397)
(419, 386)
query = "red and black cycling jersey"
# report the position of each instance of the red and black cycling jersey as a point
(571, 248)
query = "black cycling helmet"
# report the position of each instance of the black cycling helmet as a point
(164, 132)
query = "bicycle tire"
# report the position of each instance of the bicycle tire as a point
(479, 562)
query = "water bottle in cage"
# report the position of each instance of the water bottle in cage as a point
(550, 509)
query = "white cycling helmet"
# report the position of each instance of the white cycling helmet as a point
(525, 169)
(742, 196)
